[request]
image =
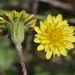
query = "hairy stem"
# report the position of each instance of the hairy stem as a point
(21, 60)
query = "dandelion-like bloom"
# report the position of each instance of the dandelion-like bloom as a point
(55, 36)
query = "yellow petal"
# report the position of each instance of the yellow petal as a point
(71, 39)
(52, 49)
(42, 25)
(37, 35)
(49, 19)
(36, 40)
(40, 47)
(37, 29)
(71, 29)
(42, 28)
(48, 54)
(40, 37)
(44, 41)
(46, 48)
(65, 23)
(58, 18)
(63, 51)
(57, 52)
(59, 25)
(69, 45)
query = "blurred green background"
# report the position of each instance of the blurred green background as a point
(36, 62)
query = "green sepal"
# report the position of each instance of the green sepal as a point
(17, 33)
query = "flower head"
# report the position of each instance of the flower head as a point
(17, 23)
(55, 36)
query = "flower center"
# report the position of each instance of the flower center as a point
(54, 36)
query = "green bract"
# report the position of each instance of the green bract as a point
(17, 23)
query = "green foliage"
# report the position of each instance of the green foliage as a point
(3, 11)
(7, 54)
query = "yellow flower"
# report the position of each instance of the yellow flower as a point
(55, 36)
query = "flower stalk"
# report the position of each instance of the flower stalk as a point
(21, 60)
